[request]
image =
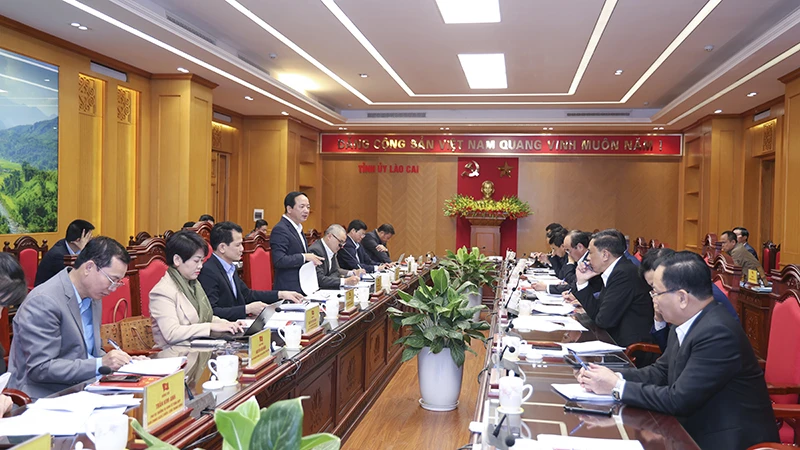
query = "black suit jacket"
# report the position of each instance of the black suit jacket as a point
(351, 258)
(623, 307)
(328, 275)
(52, 262)
(370, 241)
(567, 275)
(220, 294)
(287, 255)
(712, 383)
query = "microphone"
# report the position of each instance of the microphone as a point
(105, 370)
(499, 425)
(507, 347)
(519, 278)
(511, 440)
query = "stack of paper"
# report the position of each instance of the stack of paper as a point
(158, 366)
(575, 392)
(560, 310)
(548, 323)
(593, 347)
(579, 443)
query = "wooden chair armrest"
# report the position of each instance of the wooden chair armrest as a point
(771, 445)
(782, 389)
(787, 411)
(642, 347)
(19, 398)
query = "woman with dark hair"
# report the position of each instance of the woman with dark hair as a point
(179, 308)
(13, 290)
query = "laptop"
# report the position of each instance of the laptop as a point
(400, 259)
(258, 325)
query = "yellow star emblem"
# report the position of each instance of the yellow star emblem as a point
(505, 170)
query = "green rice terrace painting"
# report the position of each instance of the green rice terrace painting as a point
(28, 145)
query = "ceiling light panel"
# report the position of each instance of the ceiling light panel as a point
(484, 70)
(469, 11)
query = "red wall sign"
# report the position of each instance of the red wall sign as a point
(498, 144)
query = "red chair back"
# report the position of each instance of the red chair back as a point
(204, 230)
(770, 256)
(28, 253)
(148, 266)
(727, 276)
(118, 304)
(257, 262)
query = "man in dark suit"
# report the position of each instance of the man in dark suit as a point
(375, 243)
(353, 256)
(560, 258)
(79, 232)
(742, 237)
(57, 329)
(709, 377)
(289, 246)
(623, 305)
(329, 274)
(229, 296)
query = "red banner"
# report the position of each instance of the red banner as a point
(499, 144)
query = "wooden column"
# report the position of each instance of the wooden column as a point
(180, 159)
(787, 183)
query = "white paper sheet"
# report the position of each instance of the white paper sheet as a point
(308, 278)
(593, 347)
(158, 366)
(4, 380)
(581, 443)
(82, 400)
(560, 310)
(575, 392)
(38, 421)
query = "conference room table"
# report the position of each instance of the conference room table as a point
(544, 410)
(342, 372)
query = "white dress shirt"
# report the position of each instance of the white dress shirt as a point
(330, 255)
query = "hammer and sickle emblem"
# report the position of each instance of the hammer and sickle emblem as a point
(472, 169)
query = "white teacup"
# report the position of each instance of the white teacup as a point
(291, 335)
(511, 393)
(525, 308)
(108, 431)
(331, 308)
(226, 369)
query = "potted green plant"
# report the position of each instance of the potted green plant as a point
(441, 319)
(473, 267)
(278, 427)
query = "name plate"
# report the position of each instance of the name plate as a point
(397, 273)
(312, 319)
(349, 299)
(378, 283)
(43, 442)
(752, 276)
(259, 347)
(163, 399)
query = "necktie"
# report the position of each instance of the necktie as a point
(230, 277)
(88, 328)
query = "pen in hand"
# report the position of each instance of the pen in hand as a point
(114, 344)
(578, 359)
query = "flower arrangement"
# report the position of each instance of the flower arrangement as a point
(464, 205)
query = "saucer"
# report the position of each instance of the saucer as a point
(502, 410)
(294, 349)
(212, 385)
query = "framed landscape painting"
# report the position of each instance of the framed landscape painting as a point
(28, 145)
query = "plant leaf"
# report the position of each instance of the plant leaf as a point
(151, 441)
(415, 341)
(457, 353)
(413, 320)
(320, 441)
(280, 426)
(409, 353)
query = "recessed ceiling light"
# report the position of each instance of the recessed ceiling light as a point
(446, 128)
(752, 94)
(284, 113)
(182, 70)
(646, 103)
(441, 128)
(618, 72)
(344, 128)
(708, 48)
(484, 70)
(298, 82)
(341, 128)
(363, 75)
(655, 128)
(47, 79)
(660, 128)
(717, 111)
(247, 97)
(75, 24)
(469, 11)
(83, 28)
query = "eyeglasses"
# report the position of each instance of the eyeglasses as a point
(114, 284)
(341, 242)
(655, 294)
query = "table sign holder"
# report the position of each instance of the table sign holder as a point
(164, 403)
(312, 331)
(261, 358)
(350, 308)
(41, 442)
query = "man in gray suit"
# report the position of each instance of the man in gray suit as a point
(57, 329)
(329, 275)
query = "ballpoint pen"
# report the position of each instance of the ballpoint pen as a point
(578, 359)
(114, 344)
(576, 428)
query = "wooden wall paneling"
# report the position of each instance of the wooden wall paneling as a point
(350, 379)
(199, 151)
(376, 351)
(165, 180)
(263, 152)
(348, 194)
(787, 165)
(91, 107)
(319, 410)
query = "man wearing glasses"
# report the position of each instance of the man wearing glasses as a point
(329, 274)
(57, 329)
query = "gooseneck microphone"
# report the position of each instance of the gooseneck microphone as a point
(514, 289)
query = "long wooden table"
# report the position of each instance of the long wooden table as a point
(544, 410)
(343, 373)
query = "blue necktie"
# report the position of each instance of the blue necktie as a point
(88, 328)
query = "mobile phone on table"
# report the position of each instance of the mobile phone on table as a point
(589, 408)
(120, 378)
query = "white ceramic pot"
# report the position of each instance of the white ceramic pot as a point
(439, 380)
(475, 300)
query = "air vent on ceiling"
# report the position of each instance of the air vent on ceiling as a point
(252, 63)
(761, 115)
(397, 115)
(599, 114)
(329, 107)
(190, 28)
